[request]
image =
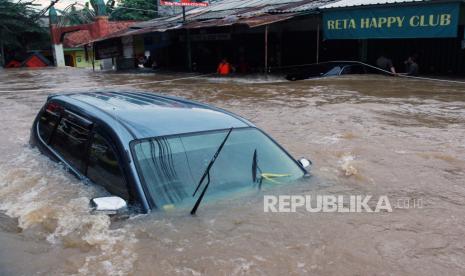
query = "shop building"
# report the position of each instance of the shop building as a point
(433, 31)
(263, 34)
(269, 35)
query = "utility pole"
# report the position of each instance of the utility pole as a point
(2, 60)
(157, 4)
(188, 41)
(318, 43)
(266, 49)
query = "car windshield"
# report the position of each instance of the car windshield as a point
(322, 69)
(171, 167)
(333, 71)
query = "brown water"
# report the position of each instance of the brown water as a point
(366, 135)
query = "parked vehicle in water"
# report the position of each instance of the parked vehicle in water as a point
(158, 152)
(328, 69)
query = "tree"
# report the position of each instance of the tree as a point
(134, 10)
(19, 26)
(76, 13)
(71, 16)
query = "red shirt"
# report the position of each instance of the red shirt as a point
(224, 68)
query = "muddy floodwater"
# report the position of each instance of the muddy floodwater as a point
(366, 135)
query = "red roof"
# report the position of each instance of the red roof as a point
(34, 61)
(74, 39)
(13, 64)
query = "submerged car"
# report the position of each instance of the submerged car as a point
(328, 69)
(158, 152)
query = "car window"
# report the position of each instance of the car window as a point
(353, 69)
(48, 121)
(103, 167)
(333, 72)
(71, 138)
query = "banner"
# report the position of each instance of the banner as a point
(188, 3)
(425, 21)
(108, 48)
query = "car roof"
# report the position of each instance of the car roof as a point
(339, 63)
(146, 115)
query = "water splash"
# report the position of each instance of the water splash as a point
(347, 166)
(46, 199)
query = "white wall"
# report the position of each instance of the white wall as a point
(58, 55)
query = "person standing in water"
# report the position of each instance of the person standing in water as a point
(411, 65)
(386, 64)
(224, 68)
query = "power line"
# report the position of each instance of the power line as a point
(120, 7)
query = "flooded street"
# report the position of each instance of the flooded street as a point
(366, 135)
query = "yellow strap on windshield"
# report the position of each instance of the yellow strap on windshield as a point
(270, 176)
(169, 207)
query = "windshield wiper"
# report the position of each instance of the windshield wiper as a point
(255, 169)
(207, 173)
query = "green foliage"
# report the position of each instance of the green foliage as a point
(72, 16)
(134, 10)
(99, 6)
(93, 4)
(126, 10)
(19, 24)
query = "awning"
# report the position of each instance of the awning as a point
(251, 22)
(359, 3)
(222, 13)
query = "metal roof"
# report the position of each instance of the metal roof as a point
(251, 22)
(151, 115)
(302, 6)
(225, 8)
(250, 13)
(216, 14)
(239, 10)
(356, 3)
(239, 4)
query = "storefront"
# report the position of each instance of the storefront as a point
(259, 36)
(434, 31)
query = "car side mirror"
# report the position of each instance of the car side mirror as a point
(108, 204)
(305, 163)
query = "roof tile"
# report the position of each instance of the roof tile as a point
(74, 39)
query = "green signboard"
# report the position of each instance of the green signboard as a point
(417, 21)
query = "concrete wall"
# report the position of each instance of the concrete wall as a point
(58, 55)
